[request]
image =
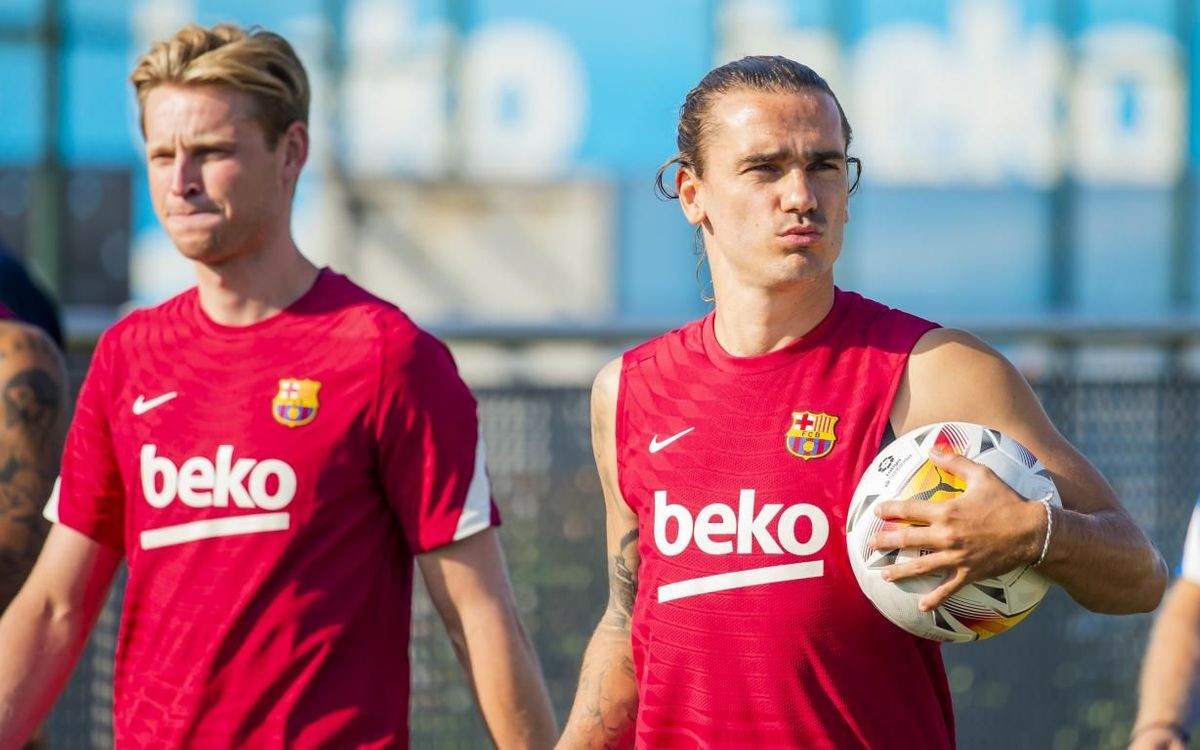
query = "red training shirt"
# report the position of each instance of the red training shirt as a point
(749, 629)
(269, 486)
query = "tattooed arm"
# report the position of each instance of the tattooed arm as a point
(44, 627)
(606, 701)
(33, 385)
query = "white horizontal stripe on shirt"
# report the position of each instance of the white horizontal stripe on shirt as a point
(740, 579)
(211, 528)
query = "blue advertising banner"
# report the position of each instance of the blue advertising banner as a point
(968, 115)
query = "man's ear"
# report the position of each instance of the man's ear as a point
(690, 190)
(294, 143)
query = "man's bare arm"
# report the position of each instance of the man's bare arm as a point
(1167, 704)
(45, 628)
(33, 420)
(1096, 551)
(468, 583)
(605, 709)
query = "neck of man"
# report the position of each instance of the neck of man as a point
(256, 285)
(753, 320)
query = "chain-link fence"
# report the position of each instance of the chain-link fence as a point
(1064, 679)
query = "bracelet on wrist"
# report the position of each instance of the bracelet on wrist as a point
(1045, 501)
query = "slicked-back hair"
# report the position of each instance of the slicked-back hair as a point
(772, 73)
(255, 61)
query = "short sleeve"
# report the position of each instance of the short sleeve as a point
(431, 453)
(1189, 567)
(89, 496)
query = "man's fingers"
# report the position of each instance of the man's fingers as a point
(942, 593)
(931, 564)
(897, 536)
(912, 511)
(959, 466)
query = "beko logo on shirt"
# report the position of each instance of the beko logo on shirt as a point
(719, 529)
(200, 483)
(267, 486)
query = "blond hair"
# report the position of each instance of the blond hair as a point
(257, 62)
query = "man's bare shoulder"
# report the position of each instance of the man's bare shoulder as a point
(25, 348)
(952, 355)
(950, 342)
(19, 339)
(608, 381)
(954, 375)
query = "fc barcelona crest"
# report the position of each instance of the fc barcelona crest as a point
(296, 403)
(811, 435)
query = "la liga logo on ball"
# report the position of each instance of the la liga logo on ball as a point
(903, 471)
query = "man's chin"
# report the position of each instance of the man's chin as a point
(207, 253)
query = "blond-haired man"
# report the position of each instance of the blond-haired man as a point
(268, 451)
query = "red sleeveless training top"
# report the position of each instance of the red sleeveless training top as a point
(749, 630)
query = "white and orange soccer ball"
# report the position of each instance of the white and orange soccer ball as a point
(903, 471)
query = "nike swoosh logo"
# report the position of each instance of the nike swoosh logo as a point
(656, 445)
(141, 405)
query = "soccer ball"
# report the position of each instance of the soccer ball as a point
(903, 471)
